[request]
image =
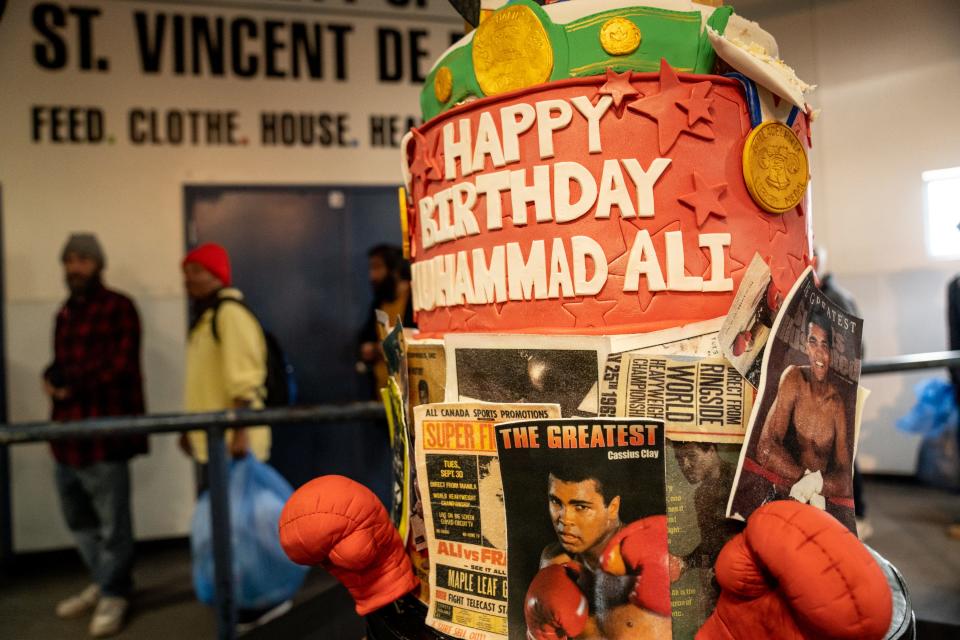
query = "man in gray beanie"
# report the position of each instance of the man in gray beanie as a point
(96, 373)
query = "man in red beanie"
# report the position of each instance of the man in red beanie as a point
(226, 353)
(226, 368)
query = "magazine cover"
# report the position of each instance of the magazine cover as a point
(463, 509)
(586, 528)
(801, 438)
(699, 479)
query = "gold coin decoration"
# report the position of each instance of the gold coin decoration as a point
(443, 84)
(511, 50)
(619, 37)
(775, 167)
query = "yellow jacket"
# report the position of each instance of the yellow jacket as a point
(219, 373)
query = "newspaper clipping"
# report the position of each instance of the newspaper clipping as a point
(586, 528)
(526, 368)
(427, 371)
(801, 439)
(698, 399)
(699, 479)
(746, 328)
(460, 479)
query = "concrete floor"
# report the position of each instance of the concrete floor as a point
(164, 605)
(909, 522)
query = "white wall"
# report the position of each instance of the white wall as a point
(889, 89)
(132, 197)
(889, 76)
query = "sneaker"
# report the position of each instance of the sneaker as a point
(864, 529)
(267, 616)
(108, 617)
(79, 604)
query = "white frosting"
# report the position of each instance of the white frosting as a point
(487, 143)
(715, 242)
(552, 115)
(593, 113)
(490, 280)
(613, 191)
(677, 278)
(561, 284)
(584, 247)
(643, 262)
(528, 278)
(491, 185)
(537, 192)
(645, 181)
(514, 120)
(749, 49)
(563, 174)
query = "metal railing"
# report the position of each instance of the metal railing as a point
(215, 424)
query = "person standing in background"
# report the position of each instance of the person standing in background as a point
(389, 276)
(953, 343)
(96, 373)
(226, 369)
(226, 353)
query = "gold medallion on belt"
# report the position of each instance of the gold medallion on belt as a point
(511, 50)
(775, 167)
(619, 36)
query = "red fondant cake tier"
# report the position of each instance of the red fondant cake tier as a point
(608, 204)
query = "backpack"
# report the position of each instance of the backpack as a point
(281, 383)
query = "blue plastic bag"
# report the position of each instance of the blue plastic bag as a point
(263, 576)
(935, 417)
(935, 410)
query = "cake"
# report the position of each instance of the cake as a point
(599, 167)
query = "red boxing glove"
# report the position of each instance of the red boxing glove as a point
(555, 608)
(796, 573)
(642, 545)
(341, 525)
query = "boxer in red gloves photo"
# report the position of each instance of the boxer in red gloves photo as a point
(601, 579)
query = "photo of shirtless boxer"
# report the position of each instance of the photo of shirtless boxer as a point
(801, 444)
(601, 578)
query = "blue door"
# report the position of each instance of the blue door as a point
(299, 256)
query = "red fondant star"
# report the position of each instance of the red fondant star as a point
(435, 161)
(618, 86)
(589, 313)
(418, 161)
(698, 104)
(460, 318)
(665, 109)
(425, 167)
(776, 223)
(705, 199)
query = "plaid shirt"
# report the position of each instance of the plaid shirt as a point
(97, 359)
